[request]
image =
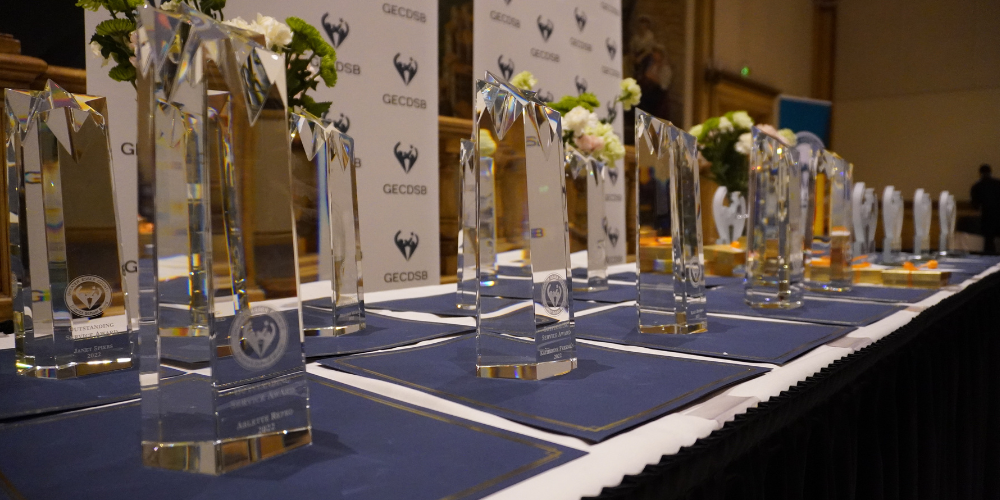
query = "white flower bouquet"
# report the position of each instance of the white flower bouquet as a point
(725, 142)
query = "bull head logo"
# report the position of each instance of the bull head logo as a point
(545, 95)
(406, 159)
(612, 111)
(336, 32)
(581, 84)
(407, 246)
(343, 123)
(506, 69)
(610, 232)
(406, 70)
(260, 340)
(581, 18)
(612, 47)
(545, 28)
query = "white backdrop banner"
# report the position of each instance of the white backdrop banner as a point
(571, 46)
(386, 98)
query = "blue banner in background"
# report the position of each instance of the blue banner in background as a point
(802, 113)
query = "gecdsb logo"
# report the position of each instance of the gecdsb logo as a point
(336, 32)
(407, 246)
(581, 18)
(343, 124)
(545, 28)
(406, 159)
(258, 337)
(611, 232)
(506, 68)
(581, 84)
(406, 70)
(612, 47)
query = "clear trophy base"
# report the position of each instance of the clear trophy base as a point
(590, 286)
(467, 307)
(333, 331)
(28, 368)
(773, 299)
(219, 457)
(676, 329)
(827, 287)
(527, 371)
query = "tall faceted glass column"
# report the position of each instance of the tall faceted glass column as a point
(774, 239)
(519, 141)
(830, 263)
(892, 221)
(585, 180)
(69, 301)
(922, 224)
(468, 222)
(671, 299)
(218, 266)
(327, 227)
(946, 221)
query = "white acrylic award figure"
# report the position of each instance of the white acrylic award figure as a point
(859, 216)
(892, 218)
(921, 223)
(729, 220)
(946, 219)
(871, 202)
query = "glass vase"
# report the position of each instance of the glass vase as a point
(774, 238)
(830, 264)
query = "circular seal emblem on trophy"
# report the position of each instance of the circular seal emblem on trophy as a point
(258, 337)
(554, 294)
(88, 295)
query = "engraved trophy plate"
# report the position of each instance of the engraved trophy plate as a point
(216, 201)
(519, 140)
(671, 298)
(327, 226)
(69, 297)
(832, 225)
(585, 182)
(774, 238)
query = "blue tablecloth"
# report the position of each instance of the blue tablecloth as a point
(365, 446)
(728, 300)
(609, 392)
(878, 294)
(728, 338)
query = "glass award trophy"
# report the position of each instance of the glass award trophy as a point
(946, 219)
(519, 139)
(585, 180)
(468, 279)
(219, 266)
(921, 224)
(326, 222)
(671, 299)
(806, 161)
(70, 316)
(892, 221)
(830, 262)
(774, 238)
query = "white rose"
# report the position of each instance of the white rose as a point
(742, 120)
(276, 34)
(239, 22)
(599, 129)
(613, 149)
(96, 49)
(631, 93)
(745, 144)
(170, 6)
(725, 125)
(578, 119)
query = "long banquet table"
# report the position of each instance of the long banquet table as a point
(902, 407)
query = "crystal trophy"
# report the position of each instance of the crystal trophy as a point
(70, 316)
(870, 208)
(326, 223)
(946, 219)
(806, 161)
(519, 139)
(774, 238)
(859, 220)
(921, 224)
(219, 268)
(585, 182)
(729, 220)
(830, 263)
(467, 227)
(892, 221)
(671, 300)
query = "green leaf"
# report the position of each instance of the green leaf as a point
(328, 71)
(91, 5)
(590, 99)
(124, 72)
(115, 27)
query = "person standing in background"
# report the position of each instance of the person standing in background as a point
(986, 198)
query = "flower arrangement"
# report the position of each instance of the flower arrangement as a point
(583, 131)
(725, 142)
(308, 58)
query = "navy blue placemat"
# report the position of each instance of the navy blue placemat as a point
(878, 294)
(729, 300)
(442, 305)
(365, 446)
(613, 295)
(381, 332)
(21, 396)
(609, 392)
(729, 338)
(710, 281)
